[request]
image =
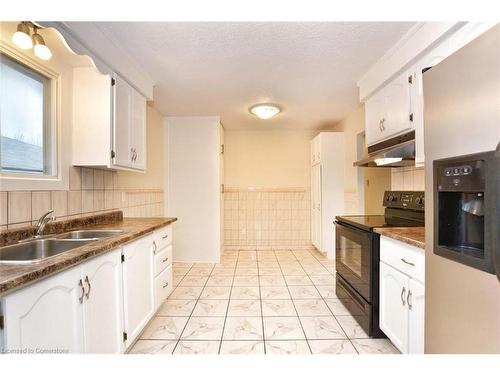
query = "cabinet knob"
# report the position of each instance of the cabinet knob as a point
(408, 299)
(403, 299)
(165, 285)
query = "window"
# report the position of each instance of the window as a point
(25, 124)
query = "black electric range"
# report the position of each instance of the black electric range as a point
(357, 254)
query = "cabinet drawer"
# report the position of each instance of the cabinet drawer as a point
(406, 258)
(163, 286)
(163, 259)
(163, 237)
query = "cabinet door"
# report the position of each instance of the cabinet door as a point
(137, 286)
(103, 304)
(398, 105)
(138, 131)
(393, 309)
(46, 315)
(416, 306)
(122, 112)
(375, 118)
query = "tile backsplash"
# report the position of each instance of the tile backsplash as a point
(91, 191)
(275, 218)
(408, 178)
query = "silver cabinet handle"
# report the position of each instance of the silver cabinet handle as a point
(165, 285)
(165, 260)
(154, 247)
(408, 263)
(90, 287)
(403, 300)
(408, 299)
(165, 237)
(80, 283)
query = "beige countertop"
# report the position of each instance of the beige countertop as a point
(14, 276)
(411, 235)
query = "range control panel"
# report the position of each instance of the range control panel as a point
(412, 200)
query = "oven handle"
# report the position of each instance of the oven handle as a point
(358, 232)
(355, 298)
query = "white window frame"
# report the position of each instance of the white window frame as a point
(30, 181)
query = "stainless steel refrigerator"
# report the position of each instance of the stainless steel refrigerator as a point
(462, 126)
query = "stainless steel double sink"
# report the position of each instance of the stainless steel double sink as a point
(38, 249)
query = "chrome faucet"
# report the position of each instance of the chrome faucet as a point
(42, 222)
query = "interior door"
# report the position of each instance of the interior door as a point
(222, 197)
(47, 314)
(122, 112)
(138, 130)
(393, 318)
(103, 304)
(316, 206)
(416, 306)
(138, 291)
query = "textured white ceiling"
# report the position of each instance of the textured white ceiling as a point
(309, 69)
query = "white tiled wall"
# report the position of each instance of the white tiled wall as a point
(91, 191)
(408, 178)
(267, 218)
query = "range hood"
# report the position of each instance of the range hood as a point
(394, 152)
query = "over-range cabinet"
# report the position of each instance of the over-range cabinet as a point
(462, 135)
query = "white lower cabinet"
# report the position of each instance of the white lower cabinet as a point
(138, 296)
(102, 308)
(416, 306)
(393, 311)
(78, 310)
(402, 295)
(46, 315)
(163, 286)
(99, 306)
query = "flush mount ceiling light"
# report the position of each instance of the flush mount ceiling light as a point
(21, 37)
(265, 111)
(41, 50)
(24, 40)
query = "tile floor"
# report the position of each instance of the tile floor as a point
(257, 302)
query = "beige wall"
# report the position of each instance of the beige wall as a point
(267, 158)
(375, 180)
(155, 168)
(267, 175)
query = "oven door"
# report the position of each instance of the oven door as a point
(353, 249)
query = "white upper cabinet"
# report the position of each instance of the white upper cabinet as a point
(390, 99)
(388, 112)
(109, 122)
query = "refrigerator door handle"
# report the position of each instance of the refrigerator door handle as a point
(496, 215)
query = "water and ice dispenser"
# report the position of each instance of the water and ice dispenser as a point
(462, 209)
